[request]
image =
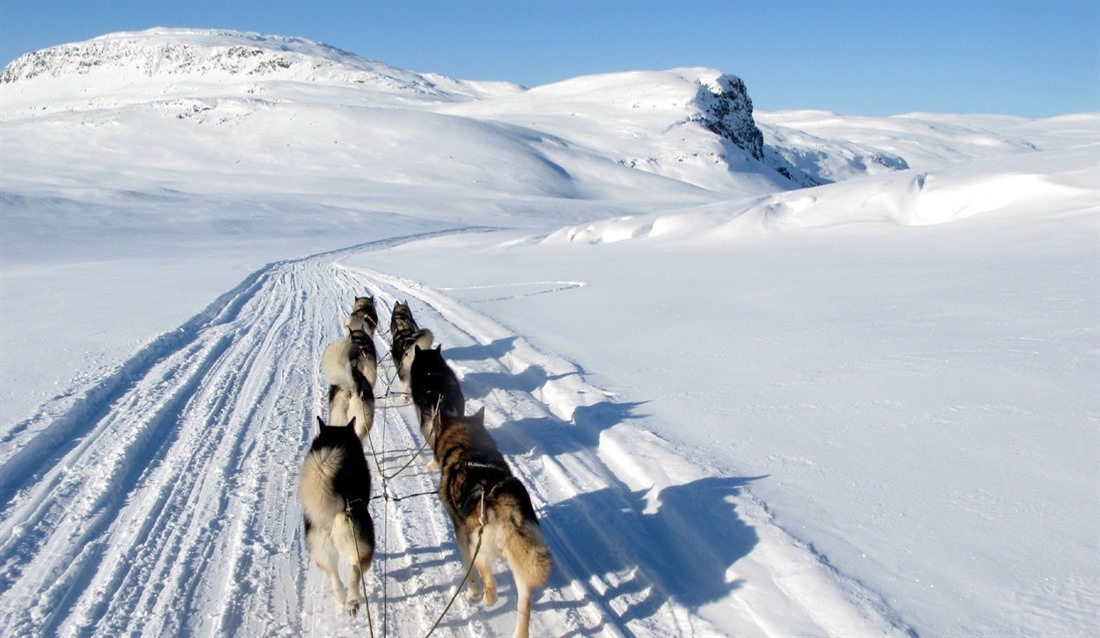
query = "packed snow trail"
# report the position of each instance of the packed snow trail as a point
(162, 500)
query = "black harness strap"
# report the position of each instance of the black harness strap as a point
(481, 489)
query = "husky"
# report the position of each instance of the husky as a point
(334, 490)
(350, 372)
(406, 334)
(491, 512)
(434, 388)
(364, 309)
(361, 351)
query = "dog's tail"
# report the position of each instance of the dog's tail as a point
(350, 393)
(361, 408)
(423, 339)
(523, 547)
(320, 503)
(336, 364)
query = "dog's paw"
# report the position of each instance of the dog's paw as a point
(432, 465)
(352, 607)
(473, 592)
(490, 598)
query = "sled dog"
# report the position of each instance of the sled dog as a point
(363, 355)
(334, 490)
(405, 334)
(364, 309)
(434, 387)
(487, 503)
(349, 371)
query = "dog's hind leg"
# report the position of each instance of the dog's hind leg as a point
(354, 579)
(357, 550)
(473, 587)
(361, 407)
(484, 564)
(326, 559)
(523, 609)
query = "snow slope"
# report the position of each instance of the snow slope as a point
(742, 408)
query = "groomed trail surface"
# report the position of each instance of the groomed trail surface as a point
(161, 499)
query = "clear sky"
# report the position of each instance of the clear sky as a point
(882, 57)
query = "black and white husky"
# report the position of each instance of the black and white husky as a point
(434, 388)
(334, 489)
(350, 367)
(406, 334)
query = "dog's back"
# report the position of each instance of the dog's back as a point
(406, 335)
(364, 309)
(401, 317)
(364, 356)
(434, 387)
(350, 394)
(334, 473)
(334, 490)
(476, 484)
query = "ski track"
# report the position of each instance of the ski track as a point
(161, 500)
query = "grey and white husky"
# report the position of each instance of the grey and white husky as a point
(334, 489)
(364, 309)
(350, 369)
(406, 334)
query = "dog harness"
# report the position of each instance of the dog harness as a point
(478, 490)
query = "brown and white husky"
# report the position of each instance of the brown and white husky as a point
(491, 512)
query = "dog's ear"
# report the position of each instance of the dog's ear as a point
(417, 349)
(320, 423)
(479, 416)
(351, 423)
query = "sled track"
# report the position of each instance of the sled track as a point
(162, 500)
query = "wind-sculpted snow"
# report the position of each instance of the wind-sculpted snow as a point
(163, 501)
(1057, 181)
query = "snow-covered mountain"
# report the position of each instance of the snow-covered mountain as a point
(199, 72)
(159, 62)
(790, 373)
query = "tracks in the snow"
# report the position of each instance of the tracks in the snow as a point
(162, 499)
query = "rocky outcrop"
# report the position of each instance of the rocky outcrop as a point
(726, 111)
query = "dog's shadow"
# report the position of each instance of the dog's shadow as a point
(644, 546)
(479, 352)
(552, 436)
(478, 385)
(678, 543)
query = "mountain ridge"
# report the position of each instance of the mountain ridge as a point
(693, 125)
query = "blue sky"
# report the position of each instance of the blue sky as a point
(1035, 59)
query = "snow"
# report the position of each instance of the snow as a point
(741, 408)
